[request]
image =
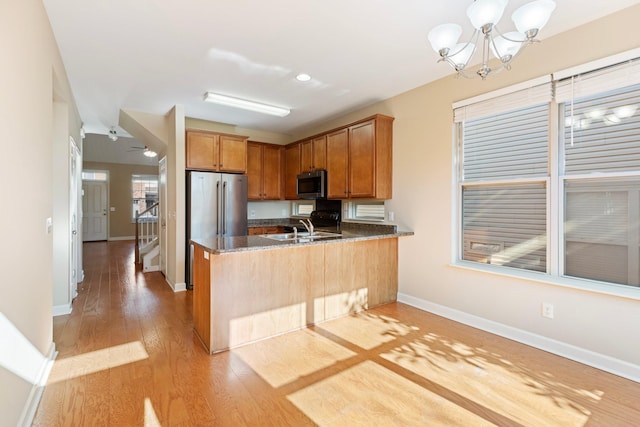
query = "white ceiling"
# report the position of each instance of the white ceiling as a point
(148, 55)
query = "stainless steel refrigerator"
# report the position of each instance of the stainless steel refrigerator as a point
(216, 207)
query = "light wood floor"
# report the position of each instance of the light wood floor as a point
(128, 357)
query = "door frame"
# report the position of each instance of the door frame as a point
(75, 222)
(162, 212)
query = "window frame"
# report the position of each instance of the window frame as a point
(295, 208)
(142, 177)
(352, 209)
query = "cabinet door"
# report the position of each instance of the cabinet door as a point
(320, 152)
(306, 156)
(254, 171)
(337, 164)
(272, 172)
(233, 154)
(362, 160)
(292, 170)
(202, 149)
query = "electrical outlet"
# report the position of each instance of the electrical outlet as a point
(547, 310)
(253, 214)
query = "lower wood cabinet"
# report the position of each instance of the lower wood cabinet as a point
(254, 231)
(262, 293)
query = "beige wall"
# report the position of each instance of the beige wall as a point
(253, 134)
(120, 224)
(31, 64)
(422, 202)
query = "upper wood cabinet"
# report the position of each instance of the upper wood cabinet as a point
(264, 171)
(291, 171)
(214, 151)
(338, 164)
(359, 160)
(313, 154)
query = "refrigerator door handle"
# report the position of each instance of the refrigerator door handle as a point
(218, 227)
(224, 207)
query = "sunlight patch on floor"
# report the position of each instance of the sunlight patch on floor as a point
(95, 361)
(286, 358)
(150, 417)
(366, 330)
(504, 387)
(368, 394)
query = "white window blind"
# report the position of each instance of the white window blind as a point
(602, 132)
(509, 101)
(504, 187)
(370, 211)
(507, 145)
(602, 80)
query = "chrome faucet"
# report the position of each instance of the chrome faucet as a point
(308, 225)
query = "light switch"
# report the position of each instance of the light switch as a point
(49, 225)
(112, 209)
(206, 255)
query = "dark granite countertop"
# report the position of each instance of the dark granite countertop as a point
(219, 245)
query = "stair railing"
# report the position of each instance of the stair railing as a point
(146, 228)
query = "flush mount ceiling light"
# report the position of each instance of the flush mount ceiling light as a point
(244, 104)
(303, 77)
(112, 134)
(484, 15)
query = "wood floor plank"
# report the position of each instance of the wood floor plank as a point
(127, 356)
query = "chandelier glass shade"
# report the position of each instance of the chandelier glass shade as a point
(484, 15)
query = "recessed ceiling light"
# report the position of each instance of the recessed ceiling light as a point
(302, 77)
(245, 104)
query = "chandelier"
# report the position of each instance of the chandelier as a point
(484, 16)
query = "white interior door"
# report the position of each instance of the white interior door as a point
(94, 211)
(162, 199)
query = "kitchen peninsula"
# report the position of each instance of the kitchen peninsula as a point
(253, 287)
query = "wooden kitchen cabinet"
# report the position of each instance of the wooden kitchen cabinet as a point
(359, 160)
(313, 154)
(255, 231)
(291, 171)
(264, 171)
(337, 164)
(219, 152)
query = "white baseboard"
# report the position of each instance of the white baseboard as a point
(121, 238)
(33, 400)
(61, 310)
(587, 357)
(180, 287)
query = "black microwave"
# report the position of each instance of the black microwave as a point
(312, 185)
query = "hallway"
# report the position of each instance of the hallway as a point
(128, 357)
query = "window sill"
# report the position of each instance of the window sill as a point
(585, 285)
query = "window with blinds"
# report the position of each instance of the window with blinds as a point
(503, 179)
(602, 180)
(514, 183)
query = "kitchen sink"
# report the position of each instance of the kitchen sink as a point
(301, 237)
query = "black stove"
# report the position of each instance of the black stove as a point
(325, 218)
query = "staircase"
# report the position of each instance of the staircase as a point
(147, 245)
